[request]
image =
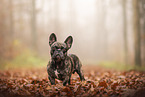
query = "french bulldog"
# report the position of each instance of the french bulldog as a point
(62, 66)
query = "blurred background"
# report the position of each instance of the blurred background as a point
(104, 31)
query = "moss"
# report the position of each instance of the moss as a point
(119, 66)
(27, 59)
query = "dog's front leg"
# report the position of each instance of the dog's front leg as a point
(51, 75)
(65, 81)
(52, 80)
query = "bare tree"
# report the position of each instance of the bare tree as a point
(33, 21)
(125, 32)
(143, 8)
(142, 20)
(56, 21)
(11, 18)
(137, 32)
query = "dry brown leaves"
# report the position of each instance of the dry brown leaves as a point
(98, 82)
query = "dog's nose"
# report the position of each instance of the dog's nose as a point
(58, 58)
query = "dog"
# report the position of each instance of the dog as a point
(62, 66)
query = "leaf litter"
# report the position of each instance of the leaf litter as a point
(99, 83)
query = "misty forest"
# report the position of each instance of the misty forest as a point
(108, 37)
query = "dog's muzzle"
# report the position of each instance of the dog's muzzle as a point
(58, 55)
(58, 58)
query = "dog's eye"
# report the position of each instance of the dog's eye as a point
(62, 47)
(64, 50)
(53, 49)
(56, 47)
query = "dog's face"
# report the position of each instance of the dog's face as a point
(59, 50)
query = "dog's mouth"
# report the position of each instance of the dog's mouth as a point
(57, 58)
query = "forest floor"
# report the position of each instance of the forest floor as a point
(99, 82)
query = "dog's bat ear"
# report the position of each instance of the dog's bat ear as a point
(52, 39)
(68, 42)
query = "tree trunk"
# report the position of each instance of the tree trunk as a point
(125, 32)
(33, 21)
(137, 32)
(142, 13)
(56, 21)
(11, 19)
(143, 8)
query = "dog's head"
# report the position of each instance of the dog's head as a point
(59, 50)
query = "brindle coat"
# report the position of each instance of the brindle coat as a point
(62, 66)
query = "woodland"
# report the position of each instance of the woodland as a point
(108, 37)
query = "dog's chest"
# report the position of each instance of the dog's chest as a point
(56, 73)
(59, 73)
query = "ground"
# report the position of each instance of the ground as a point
(99, 82)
